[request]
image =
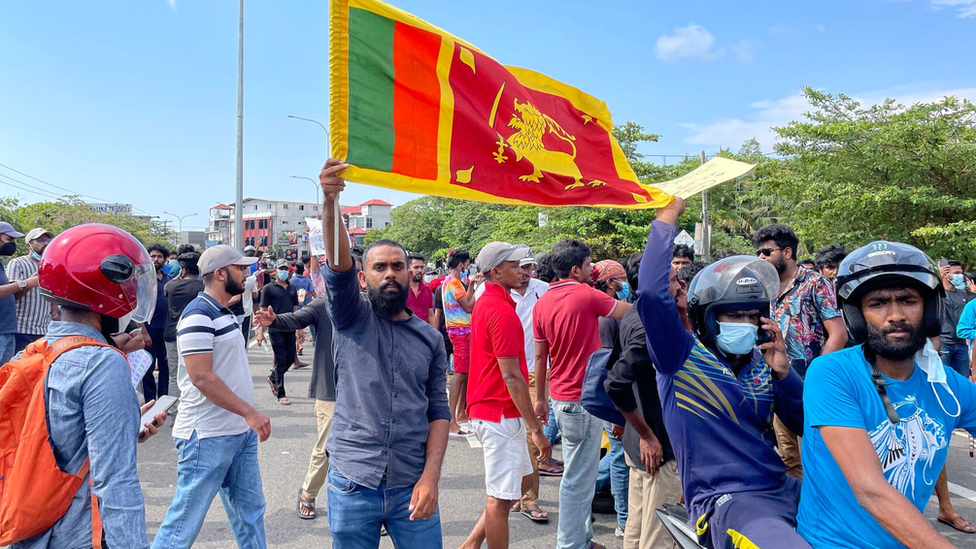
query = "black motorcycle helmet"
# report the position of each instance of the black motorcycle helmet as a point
(739, 282)
(883, 264)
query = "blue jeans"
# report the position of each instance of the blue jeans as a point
(356, 514)
(552, 430)
(614, 471)
(228, 465)
(581, 460)
(8, 345)
(956, 357)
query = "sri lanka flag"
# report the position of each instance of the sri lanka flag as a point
(416, 109)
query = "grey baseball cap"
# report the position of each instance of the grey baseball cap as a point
(282, 264)
(8, 229)
(529, 257)
(496, 253)
(221, 256)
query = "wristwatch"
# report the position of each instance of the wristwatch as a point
(22, 284)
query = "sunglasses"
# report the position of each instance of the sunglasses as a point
(766, 251)
(42, 239)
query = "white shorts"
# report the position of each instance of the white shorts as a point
(506, 456)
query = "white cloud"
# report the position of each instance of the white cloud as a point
(693, 41)
(767, 113)
(964, 8)
(172, 4)
(820, 28)
(745, 51)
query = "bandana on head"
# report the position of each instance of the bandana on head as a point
(608, 269)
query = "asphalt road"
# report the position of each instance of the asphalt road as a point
(284, 460)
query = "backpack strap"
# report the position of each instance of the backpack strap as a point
(51, 353)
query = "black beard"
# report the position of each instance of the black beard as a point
(233, 288)
(781, 266)
(418, 278)
(387, 304)
(895, 351)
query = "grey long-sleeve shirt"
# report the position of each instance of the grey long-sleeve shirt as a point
(390, 385)
(323, 384)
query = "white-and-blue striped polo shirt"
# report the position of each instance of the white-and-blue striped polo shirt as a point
(207, 327)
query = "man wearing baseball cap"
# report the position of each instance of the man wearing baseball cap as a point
(33, 311)
(499, 405)
(217, 429)
(8, 304)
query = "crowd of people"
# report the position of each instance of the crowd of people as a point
(784, 401)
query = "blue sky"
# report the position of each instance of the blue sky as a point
(135, 101)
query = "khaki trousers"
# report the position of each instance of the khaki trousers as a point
(532, 494)
(318, 465)
(646, 494)
(789, 448)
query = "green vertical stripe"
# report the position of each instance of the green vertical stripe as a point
(371, 136)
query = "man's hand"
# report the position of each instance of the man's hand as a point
(151, 428)
(652, 454)
(144, 334)
(264, 317)
(542, 443)
(260, 423)
(478, 278)
(423, 502)
(329, 178)
(669, 214)
(774, 352)
(617, 431)
(542, 411)
(944, 271)
(32, 282)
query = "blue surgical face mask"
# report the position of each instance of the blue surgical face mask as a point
(34, 254)
(464, 274)
(174, 267)
(737, 338)
(958, 280)
(624, 291)
(282, 275)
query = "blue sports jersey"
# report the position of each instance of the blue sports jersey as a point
(839, 392)
(720, 423)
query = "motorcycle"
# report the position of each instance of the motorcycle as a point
(675, 520)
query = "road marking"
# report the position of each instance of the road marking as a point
(475, 443)
(252, 343)
(962, 491)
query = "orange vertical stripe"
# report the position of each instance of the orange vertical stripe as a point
(416, 101)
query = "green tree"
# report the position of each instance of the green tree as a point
(860, 173)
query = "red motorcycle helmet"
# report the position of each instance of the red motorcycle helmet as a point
(100, 268)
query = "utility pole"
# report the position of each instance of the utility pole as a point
(239, 205)
(706, 251)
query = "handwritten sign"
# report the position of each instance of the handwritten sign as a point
(714, 172)
(315, 240)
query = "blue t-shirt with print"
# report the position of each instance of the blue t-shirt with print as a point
(839, 392)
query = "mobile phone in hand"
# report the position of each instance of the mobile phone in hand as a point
(162, 404)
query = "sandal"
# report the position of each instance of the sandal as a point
(308, 504)
(274, 387)
(550, 468)
(462, 433)
(284, 401)
(966, 527)
(298, 365)
(535, 515)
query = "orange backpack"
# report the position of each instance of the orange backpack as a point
(34, 491)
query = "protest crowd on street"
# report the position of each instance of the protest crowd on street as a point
(772, 394)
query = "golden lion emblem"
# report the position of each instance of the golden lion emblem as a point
(530, 127)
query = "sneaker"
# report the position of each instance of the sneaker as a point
(619, 532)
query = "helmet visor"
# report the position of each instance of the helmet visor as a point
(145, 292)
(715, 280)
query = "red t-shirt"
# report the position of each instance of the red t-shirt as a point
(568, 317)
(496, 332)
(422, 302)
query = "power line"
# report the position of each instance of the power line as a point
(34, 191)
(75, 193)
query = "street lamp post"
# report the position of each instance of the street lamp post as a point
(181, 218)
(314, 182)
(338, 215)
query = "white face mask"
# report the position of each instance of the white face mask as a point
(428, 278)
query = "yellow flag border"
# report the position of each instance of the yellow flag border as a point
(339, 109)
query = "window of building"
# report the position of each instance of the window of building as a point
(369, 222)
(255, 207)
(285, 206)
(264, 241)
(369, 210)
(301, 207)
